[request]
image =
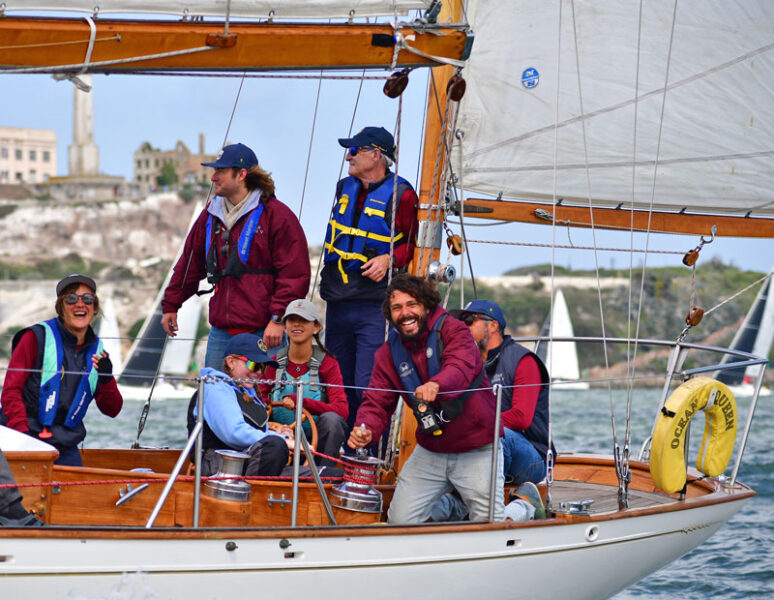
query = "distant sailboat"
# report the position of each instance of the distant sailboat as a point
(108, 330)
(755, 336)
(153, 354)
(561, 358)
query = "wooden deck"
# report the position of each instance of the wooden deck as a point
(604, 497)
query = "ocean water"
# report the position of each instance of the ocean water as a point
(737, 562)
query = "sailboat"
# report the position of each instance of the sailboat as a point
(108, 330)
(527, 137)
(756, 335)
(561, 357)
(153, 355)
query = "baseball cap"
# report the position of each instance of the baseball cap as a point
(251, 347)
(304, 309)
(234, 155)
(377, 137)
(75, 278)
(481, 307)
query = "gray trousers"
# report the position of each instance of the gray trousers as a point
(7, 495)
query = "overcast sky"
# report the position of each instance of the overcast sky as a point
(275, 118)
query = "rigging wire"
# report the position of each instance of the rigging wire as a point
(314, 289)
(311, 143)
(146, 406)
(622, 472)
(631, 354)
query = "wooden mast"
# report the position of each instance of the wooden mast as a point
(58, 43)
(433, 151)
(429, 194)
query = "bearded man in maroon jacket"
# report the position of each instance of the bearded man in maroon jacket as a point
(434, 359)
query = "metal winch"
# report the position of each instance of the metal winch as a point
(357, 492)
(237, 490)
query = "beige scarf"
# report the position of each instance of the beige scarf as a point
(232, 213)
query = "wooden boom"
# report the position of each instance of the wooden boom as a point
(623, 219)
(62, 45)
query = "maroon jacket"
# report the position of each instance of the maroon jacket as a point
(246, 303)
(460, 364)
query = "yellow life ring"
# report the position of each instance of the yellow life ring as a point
(667, 456)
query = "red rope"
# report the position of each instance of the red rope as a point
(158, 480)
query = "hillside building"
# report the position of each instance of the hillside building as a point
(149, 163)
(27, 155)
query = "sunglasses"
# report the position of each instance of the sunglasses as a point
(469, 319)
(87, 299)
(353, 150)
(252, 366)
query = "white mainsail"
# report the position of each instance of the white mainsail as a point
(713, 148)
(281, 9)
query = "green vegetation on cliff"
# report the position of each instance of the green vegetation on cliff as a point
(666, 294)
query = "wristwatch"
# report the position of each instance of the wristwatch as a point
(276, 319)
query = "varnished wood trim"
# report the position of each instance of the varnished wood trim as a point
(623, 219)
(258, 46)
(701, 493)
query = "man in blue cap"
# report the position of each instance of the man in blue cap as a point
(524, 412)
(525, 381)
(235, 243)
(375, 216)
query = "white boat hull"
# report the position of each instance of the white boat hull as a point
(502, 562)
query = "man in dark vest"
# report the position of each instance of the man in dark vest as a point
(250, 247)
(375, 212)
(434, 359)
(524, 395)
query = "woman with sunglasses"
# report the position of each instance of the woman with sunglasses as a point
(235, 418)
(57, 367)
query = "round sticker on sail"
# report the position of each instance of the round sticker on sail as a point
(530, 78)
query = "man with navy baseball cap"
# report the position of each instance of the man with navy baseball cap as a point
(234, 244)
(524, 394)
(375, 215)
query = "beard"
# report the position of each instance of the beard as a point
(420, 326)
(483, 342)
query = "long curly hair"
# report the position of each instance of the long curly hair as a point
(258, 179)
(416, 287)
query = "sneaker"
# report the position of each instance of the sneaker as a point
(29, 520)
(529, 492)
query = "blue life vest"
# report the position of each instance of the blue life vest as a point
(409, 377)
(236, 263)
(345, 241)
(52, 373)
